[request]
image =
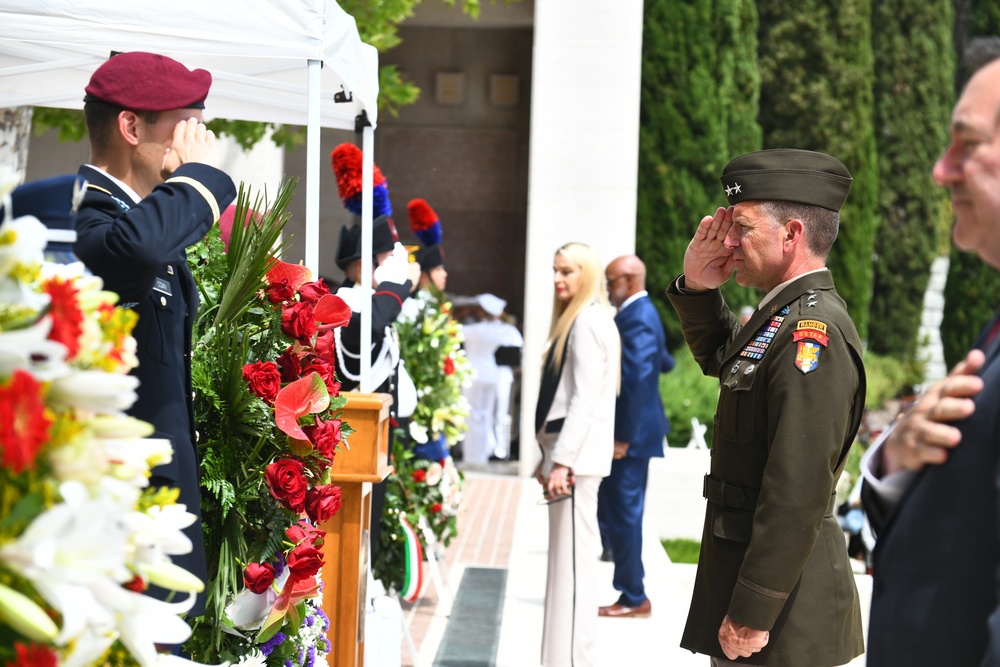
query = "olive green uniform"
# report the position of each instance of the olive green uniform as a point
(792, 390)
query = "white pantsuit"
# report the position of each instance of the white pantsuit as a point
(585, 402)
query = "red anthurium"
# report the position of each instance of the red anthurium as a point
(332, 311)
(298, 399)
(295, 274)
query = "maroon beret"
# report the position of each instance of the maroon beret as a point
(148, 82)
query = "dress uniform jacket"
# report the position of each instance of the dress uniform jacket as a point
(773, 557)
(386, 303)
(138, 249)
(934, 598)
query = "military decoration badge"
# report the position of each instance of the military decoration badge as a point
(810, 337)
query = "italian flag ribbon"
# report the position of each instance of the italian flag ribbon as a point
(413, 582)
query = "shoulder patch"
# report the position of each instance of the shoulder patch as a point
(813, 329)
(807, 354)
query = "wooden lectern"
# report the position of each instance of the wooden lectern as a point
(345, 548)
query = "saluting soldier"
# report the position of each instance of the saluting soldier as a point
(774, 585)
(153, 190)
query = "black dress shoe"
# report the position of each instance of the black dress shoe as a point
(618, 610)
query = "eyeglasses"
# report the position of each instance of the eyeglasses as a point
(611, 282)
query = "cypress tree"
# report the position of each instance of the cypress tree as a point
(816, 69)
(913, 96)
(972, 292)
(698, 110)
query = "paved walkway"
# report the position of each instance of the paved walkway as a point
(503, 526)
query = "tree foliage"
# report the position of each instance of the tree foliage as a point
(698, 110)
(914, 70)
(816, 69)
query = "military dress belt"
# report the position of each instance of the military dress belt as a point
(728, 495)
(735, 497)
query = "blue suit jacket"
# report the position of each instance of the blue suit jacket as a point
(639, 416)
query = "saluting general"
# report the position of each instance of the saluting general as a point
(774, 585)
(153, 190)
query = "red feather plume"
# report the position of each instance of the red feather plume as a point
(346, 162)
(422, 216)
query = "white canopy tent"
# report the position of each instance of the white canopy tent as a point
(298, 62)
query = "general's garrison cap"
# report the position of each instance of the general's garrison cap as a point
(143, 81)
(787, 174)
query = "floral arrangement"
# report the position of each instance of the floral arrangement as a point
(81, 534)
(430, 343)
(428, 491)
(267, 405)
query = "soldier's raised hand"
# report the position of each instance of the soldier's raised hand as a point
(708, 263)
(193, 142)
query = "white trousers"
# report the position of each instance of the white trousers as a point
(571, 600)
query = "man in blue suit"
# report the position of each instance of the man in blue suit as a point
(640, 426)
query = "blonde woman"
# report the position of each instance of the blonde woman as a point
(575, 420)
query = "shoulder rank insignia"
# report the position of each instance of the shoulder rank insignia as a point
(810, 337)
(758, 345)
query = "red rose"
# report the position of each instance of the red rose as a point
(325, 436)
(264, 379)
(322, 502)
(290, 364)
(325, 346)
(325, 370)
(436, 508)
(280, 291)
(313, 292)
(298, 322)
(287, 484)
(304, 561)
(419, 475)
(303, 533)
(258, 576)
(449, 366)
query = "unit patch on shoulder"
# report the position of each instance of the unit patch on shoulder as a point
(758, 345)
(810, 337)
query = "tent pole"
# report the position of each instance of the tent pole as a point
(312, 169)
(367, 175)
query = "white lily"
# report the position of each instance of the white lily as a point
(24, 616)
(68, 549)
(132, 458)
(100, 392)
(29, 349)
(22, 242)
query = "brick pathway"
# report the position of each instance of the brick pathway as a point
(485, 532)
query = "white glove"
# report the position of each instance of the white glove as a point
(394, 268)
